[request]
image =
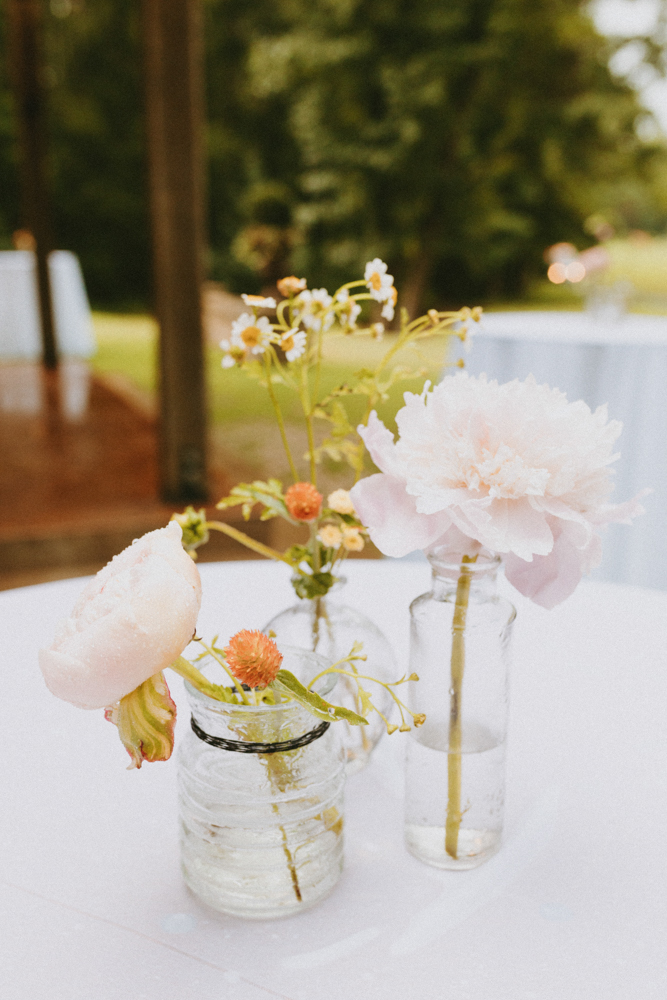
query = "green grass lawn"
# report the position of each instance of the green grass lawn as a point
(127, 343)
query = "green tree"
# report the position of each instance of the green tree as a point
(457, 138)
(454, 138)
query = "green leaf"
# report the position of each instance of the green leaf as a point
(145, 719)
(365, 699)
(269, 494)
(297, 554)
(287, 683)
(313, 585)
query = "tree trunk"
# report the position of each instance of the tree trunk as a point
(24, 22)
(174, 106)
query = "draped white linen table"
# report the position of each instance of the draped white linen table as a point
(19, 309)
(574, 906)
(623, 364)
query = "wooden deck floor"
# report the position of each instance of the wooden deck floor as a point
(78, 482)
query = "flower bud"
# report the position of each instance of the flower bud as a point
(303, 502)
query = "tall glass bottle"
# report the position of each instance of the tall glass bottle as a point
(459, 644)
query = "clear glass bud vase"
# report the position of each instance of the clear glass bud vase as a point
(459, 644)
(261, 832)
(329, 627)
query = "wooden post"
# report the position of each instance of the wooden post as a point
(24, 22)
(174, 112)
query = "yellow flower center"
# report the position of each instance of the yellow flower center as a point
(287, 344)
(251, 336)
(375, 281)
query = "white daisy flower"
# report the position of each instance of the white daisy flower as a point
(293, 343)
(314, 308)
(250, 333)
(380, 284)
(232, 354)
(259, 301)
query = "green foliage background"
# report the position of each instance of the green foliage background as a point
(454, 138)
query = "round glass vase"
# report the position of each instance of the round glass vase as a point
(455, 783)
(330, 628)
(261, 832)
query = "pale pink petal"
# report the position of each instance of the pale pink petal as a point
(391, 517)
(380, 443)
(454, 545)
(515, 526)
(549, 579)
(131, 621)
(622, 513)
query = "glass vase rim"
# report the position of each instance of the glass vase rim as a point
(324, 687)
(484, 564)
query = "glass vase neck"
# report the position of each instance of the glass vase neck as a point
(335, 590)
(482, 572)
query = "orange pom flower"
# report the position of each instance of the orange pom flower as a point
(253, 658)
(303, 502)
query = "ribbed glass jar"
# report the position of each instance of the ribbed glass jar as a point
(329, 627)
(455, 787)
(261, 833)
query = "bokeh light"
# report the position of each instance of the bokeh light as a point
(557, 273)
(575, 271)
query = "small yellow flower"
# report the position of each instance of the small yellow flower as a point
(352, 540)
(330, 536)
(341, 502)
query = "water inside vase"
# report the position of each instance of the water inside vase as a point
(482, 796)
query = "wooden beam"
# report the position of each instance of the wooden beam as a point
(174, 113)
(24, 23)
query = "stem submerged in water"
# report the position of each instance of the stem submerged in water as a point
(457, 667)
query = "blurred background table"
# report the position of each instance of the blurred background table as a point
(19, 311)
(573, 906)
(623, 364)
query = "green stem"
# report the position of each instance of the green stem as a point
(235, 681)
(196, 678)
(270, 766)
(251, 543)
(305, 405)
(457, 667)
(279, 417)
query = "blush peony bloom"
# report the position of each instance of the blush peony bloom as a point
(131, 621)
(253, 658)
(303, 502)
(514, 468)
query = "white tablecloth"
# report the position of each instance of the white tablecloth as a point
(20, 337)
(573, 908)
(623, 364)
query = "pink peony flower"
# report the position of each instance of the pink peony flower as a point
(130, 622)
(514, 468)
